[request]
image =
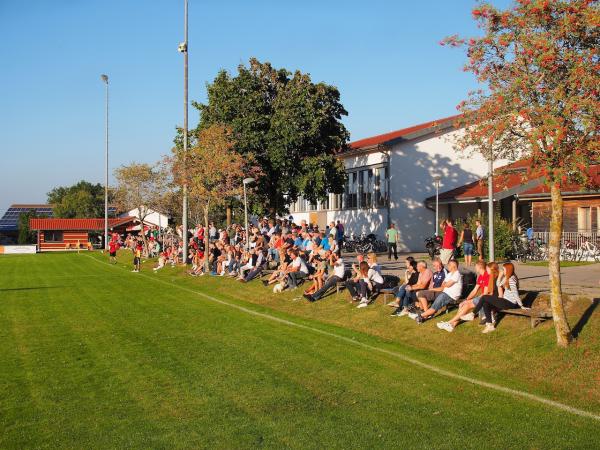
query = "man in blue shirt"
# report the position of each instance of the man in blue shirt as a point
(479, 238)
(298, 241)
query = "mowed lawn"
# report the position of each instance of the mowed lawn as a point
(94, 356)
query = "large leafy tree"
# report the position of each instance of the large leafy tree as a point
(289, 125)
(539, 63)
(83, 199)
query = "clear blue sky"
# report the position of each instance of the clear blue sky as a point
(384, 56)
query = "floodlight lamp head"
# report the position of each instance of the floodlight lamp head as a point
(104, 78)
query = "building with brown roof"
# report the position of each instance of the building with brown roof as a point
(74, 234)
(525, 200)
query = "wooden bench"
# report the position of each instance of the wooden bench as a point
(536, 316)
(386, 293)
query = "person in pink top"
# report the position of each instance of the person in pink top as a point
(449, 241)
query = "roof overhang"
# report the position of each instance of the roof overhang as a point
(497, 196)
(546, 195)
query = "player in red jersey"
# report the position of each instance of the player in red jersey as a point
(113, 246)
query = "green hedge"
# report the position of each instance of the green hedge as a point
(503, 234)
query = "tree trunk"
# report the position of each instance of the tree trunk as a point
(563, 331)
(206, 241)
(144, 240)
(228, 212)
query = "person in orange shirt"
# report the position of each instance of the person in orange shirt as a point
(137, 256)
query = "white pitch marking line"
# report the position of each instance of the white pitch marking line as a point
(437, 370)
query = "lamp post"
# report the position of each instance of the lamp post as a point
(491, 255)
(245, 182)
(104, 79)
(183, 48)
(436, 179)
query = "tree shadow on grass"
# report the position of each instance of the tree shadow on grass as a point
(585, 317)
(31, 288)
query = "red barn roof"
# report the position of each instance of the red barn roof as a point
(77, 224)
(406, 133)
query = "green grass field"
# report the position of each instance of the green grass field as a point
(94, 356)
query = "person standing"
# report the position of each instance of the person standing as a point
(479, 238)
(466, 239)
(137, 256)
(340, 236)
(449, 241)
(392, 240)
(113, 246)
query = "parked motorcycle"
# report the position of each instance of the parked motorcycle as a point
(433, 244)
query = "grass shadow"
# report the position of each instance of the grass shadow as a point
(583, 320)
(31, 288)
(533, 276)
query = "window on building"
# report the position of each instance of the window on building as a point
(53, 236)
(324, 205)
(337, 201)
(352, 190)
(366, 188)
(303, 204)
(584, 219)
(311, 206)
(381, 187)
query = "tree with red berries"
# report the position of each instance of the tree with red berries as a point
(213, 171)
(539, 64)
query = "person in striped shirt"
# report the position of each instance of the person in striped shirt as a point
(506, 298)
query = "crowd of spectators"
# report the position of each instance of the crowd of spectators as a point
(287, 256)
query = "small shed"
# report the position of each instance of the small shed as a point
(73, 234)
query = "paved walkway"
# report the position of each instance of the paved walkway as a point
(580, 280)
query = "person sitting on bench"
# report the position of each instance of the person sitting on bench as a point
(427, 296)
(410, 291)
(486, 279)
(258, 261)
(452, 289)
(506, 298)
(334, 278)
(368, 281)
(410, 278)
(298, 270)
(318, 278)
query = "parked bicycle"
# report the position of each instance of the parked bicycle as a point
(366, 243)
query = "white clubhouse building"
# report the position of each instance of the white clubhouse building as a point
(390, 176)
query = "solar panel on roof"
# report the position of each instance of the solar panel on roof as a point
(10, 220)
